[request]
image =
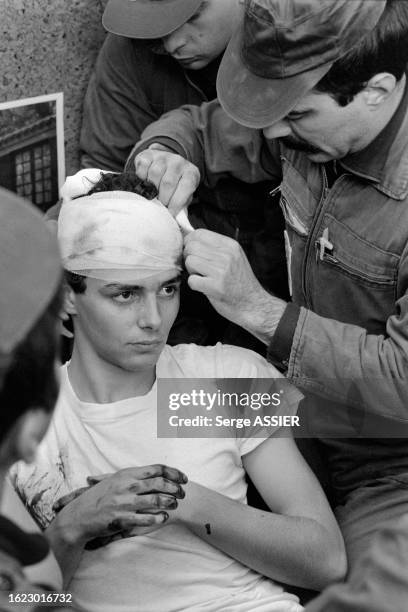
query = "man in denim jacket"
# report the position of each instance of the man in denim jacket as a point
(325, 84)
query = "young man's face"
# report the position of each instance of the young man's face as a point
(321, 128)
(127, 325)
(205, 35)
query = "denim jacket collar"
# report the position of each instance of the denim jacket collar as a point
(385, 160)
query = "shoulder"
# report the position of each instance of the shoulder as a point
(120, 51)
(122, 46)
(221, 360)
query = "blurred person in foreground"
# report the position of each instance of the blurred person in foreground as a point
(30, 300)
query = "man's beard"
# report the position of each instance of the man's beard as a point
(299, 145)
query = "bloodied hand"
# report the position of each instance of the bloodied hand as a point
(133, 501)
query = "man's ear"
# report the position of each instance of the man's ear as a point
(69, 300)
(379, 88)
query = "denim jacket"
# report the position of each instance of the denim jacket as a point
(345, 334)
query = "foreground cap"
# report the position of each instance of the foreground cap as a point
(30, 268)
(147, 18)
(282, 50)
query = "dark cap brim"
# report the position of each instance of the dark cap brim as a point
(30, 268)
(254, 101)
(147, 19)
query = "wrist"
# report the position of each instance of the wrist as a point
(64, 530)
(264, 316)
(157, 146)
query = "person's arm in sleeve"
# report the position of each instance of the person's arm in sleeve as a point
(377, 582)
(345, 363)
(336, 360)
(116, 107)
(204, 138)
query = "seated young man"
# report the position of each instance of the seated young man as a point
(178, 545)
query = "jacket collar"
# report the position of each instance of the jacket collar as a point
(385, 160)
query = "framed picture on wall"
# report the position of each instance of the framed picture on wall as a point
(32, 160)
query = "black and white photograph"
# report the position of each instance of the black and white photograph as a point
(204, 306)
(32, 148)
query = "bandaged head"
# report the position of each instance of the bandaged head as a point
(116, 235)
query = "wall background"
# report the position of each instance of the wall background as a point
(48, 46)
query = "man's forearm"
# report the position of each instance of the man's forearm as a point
(294, 550)
(343, 362)
(211, 140)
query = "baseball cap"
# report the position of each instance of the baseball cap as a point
(147, 18)
(30, 268)
(283, 48)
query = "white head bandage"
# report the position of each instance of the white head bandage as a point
(118, 236)
(81, 183)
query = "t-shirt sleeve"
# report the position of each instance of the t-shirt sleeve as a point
(265, 397)
(273, 420)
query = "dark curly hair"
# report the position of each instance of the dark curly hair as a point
(385, 49)
(111, 181)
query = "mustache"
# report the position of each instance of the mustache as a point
(299, 145)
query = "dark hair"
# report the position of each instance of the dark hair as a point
(124, 181)
(385, 49)
(111, 181)
(30, 378)
(75, 281)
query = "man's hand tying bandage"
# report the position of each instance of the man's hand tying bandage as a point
(218, 267)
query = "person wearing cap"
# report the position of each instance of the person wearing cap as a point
(314, 96)
(30, 299)
(159, 55)
(202, 546)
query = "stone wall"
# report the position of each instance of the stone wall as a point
(47, 46)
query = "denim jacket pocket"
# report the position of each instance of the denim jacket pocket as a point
(356, 282)
(359, 259)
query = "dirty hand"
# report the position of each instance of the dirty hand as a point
(133, 501)
(219, 268)
(175, 178)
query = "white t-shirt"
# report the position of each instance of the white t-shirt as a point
(170, 569)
